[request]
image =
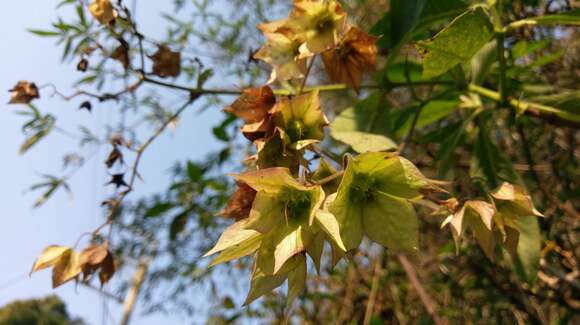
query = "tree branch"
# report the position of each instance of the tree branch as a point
(429, 304)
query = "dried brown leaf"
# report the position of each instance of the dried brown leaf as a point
(166, 63)
(240, 203)
(253, 105)
(23, 93)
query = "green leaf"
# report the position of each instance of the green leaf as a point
(404, 16)
(263, 282)
(194, 172)
(374, 188)
(178, 225)
(529, 247)
(456, 43)
(356, 127)
(432, 112)
(315, 250)
(44, 33)
(363, 141)
(489, 163)
(382, 28)
(407, 18)
(159, 209)
(296, 280)
(482, 61)
(392, 223)
(436, 11)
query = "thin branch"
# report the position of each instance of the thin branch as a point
(329, 178)
(310, 64)
(373, 293)
(429, 304)
(135, 169)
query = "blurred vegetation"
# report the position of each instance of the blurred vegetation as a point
(452, 129)
(45, 311)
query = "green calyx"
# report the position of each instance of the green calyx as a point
(296, 205)
(296, 130)
(363, 188)
(373, 201)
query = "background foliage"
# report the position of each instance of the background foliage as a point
(454, 107)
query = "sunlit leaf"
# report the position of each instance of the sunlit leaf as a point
(457, 43)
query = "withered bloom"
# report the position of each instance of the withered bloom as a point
(355, 54)
(23, 93)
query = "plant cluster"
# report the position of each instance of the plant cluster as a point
(452, 92)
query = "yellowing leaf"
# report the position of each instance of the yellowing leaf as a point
(281, 51)
(300, 117)
(103, 11)
(327, 222)
(514, 200)
(242, 249)
(66, 268)
(49, 257)
(319, 23)
(477, 216)
(270, 180)
(234, 235)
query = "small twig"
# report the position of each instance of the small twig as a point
(329, 178)
(134, 170)
(373, 293)
(310, 64)
(429, 304)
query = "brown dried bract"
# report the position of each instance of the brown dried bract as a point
(97, 257)
(166, 63)
(240, 203)
(259, 130)
(121, 54)
(23, 93)
(253, 105)
(114, 156)
(355, 55)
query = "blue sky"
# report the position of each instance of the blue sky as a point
(24, 231)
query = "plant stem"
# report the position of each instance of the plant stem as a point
(429, 304)
(500, 40)
(525, 106)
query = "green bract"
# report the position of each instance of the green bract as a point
(284, 223)
(372, 200)
(300, 119)
(283, 212)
